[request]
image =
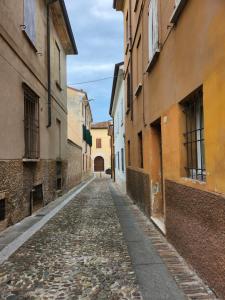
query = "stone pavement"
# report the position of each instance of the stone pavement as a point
(96, 247)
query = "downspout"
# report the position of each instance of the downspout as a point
(49, 2)
(131, 58)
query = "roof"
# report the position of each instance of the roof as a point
(118, 4)
(115, 77)
(101, 125)
(68, 25)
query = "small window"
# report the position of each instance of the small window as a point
(38, 196)
(127, 29)
(128, 153)
(194, 136)
(98, 143)
(2, 209)
(140, 150)
(31, 123)
(136, 5)
(122, 159)
(59, 175)
(118, 159)
(128, 91)
(58, 64)
(153, 30)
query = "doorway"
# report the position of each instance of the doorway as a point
(99, 164)
(157, 181)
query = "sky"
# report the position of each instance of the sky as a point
(98, 33)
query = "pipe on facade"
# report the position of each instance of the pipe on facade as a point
(49, 2)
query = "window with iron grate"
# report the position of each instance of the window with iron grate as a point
(31, 123)
(2, 209)
(194, 136)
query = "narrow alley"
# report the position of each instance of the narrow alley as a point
(82, 253)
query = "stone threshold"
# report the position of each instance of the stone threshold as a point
(15, 236)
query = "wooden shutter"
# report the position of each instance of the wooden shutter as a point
(153, 29)
(98, 143)
(29, 20)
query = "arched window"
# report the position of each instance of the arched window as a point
(99, 164)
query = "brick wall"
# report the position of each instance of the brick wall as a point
(138, 188)
(195, 224)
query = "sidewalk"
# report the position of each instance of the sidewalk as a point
(161, 272)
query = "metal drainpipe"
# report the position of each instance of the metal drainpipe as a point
(131, 57)
(49, 2)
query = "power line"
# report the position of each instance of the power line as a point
(95, 80)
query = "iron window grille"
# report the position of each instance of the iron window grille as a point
(31, 123)
(2, 209)
(194, 136)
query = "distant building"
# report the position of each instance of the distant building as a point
(79, 136)
(36, 37)
(101, 149)
(117, 112)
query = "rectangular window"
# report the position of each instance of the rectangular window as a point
(58, 125)
(38, 195)
(139, 61)
(127, 29)
(128, 153)
(30, 20)
(118, 159)
(59, 175)
(98, 143)
(2, 209)
(128, 91)
(31, 123)
(140, 150)
(194, 136)
(58, 64)
(122, 159)
(153, 29)
(178, 8)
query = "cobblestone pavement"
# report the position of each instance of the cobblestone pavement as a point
(79, 254)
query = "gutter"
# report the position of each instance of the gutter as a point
(49, 62)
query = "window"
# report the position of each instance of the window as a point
(122, 112)
(128, 91)
(31, 123)
(128, 153)
(58, 125)
(140, 150)
(118, 159)
(153, 30)
(98, 143)
(136, 5)
(122, 159)
(2, 209)
(58, 65)
(30, 20)
(127, 31)
(194, 136)
(59, 175)
(178, 7)
(83, 162)
(37, 195)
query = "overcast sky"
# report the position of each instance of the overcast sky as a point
(98, 33)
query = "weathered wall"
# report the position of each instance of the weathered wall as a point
(138, 188)
(196, 227)
(74, 171)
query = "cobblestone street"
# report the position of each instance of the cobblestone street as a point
(79, 254)
(99, 246)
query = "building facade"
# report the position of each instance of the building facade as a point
(117, 112)
(101, 148)
(79, 123)
(35, 38)
(174, 81)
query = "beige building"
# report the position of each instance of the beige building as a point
(79, 122)
(35, 38)
(101, 150)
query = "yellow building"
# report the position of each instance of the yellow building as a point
(101, 149)
(174, 61)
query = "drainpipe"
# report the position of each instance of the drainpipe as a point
(49, 2)
(131, 57)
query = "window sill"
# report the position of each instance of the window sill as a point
(152, 62)
(29, 41)
(30, 159)
(138, 90)
(177, 11)
(196, 181)
(58, 86)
